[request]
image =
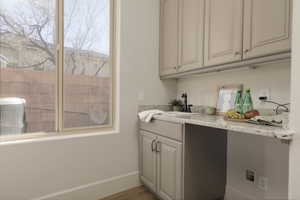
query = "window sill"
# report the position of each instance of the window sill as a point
(44, 137)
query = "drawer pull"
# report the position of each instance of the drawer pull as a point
(158, 146)
(152, 145)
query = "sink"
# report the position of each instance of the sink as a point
(180, 114)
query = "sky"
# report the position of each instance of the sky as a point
(86, 21)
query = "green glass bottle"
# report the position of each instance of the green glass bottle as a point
(247, 102)
(238, 104)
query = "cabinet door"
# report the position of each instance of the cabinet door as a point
(191, 34)
(223, 31)
(169, 36)
(148, 160)
(169, 166)
(266, 27)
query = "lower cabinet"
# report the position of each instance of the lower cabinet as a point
(161, 165)
(148, 159)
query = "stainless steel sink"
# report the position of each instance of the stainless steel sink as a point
(180, 114)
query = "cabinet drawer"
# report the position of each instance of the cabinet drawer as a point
(163, 128)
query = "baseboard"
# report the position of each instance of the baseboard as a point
(234, 194)
(97, 190)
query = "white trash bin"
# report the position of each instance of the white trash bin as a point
(12, 116)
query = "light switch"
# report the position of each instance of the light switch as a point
(141, 96)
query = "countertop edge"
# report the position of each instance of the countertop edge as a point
(266, 131)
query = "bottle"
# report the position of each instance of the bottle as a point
(238, 104)
(247, 102)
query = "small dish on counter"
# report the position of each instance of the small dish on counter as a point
(210, 110)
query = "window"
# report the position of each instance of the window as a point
(56, 71)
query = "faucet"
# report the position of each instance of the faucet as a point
(279, 107)
(186, 107)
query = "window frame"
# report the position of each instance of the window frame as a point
(59, 97)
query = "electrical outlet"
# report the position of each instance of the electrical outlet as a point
(265, 93)
(263, 183)
(250, 175)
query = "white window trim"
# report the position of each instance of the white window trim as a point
(65, 133)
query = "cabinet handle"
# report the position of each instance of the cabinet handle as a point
(246, 50)
(237, 53)
(152, 145)
(157, 148)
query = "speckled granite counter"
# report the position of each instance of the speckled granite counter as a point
(220, 123)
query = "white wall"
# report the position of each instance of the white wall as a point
(202, 90)
(294, 178)
(90, 167)
(268, 157)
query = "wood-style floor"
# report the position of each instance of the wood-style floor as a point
(139, 193)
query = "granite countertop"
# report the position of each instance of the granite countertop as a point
(219, 122)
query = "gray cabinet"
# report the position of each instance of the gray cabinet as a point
(267, 27)
(237, 30)
(191, 32)
(169, 16)
(223, 31)
(148, 159)
(183, 162)
(181, 35)
(161, 163)
(205, 33)
(169, 168)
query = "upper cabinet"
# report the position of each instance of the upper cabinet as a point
(266, 27)
(181, 35)
(169, 36)
(223, 31)
(207, 33)
(191, 32)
